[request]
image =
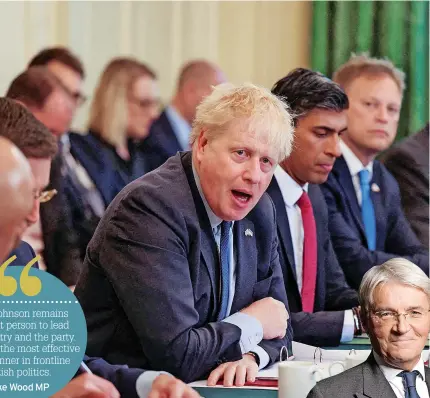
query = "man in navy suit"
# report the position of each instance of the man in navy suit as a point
(183, 271)
(319, 106)
(367, 223)
(170, 133)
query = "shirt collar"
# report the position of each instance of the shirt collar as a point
(391, 373)
(213, 218)
(290, 190)
(180, 126)
(354, 164)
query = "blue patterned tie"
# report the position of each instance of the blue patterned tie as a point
(409, 381)
(367, 211)
(224, 249)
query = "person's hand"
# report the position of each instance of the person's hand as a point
(165, 386)
(272, 315)
(88, 386)
(237, 372)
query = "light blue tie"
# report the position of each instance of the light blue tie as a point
(224, 248)
(367, 210)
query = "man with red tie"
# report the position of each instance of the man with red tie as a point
(323, 307)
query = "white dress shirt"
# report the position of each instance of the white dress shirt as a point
(291, 192)
(396, 382)
(355, 166)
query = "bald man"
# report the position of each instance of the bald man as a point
(16, 196)
(170, 132)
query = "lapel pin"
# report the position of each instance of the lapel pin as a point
(248, 232)
(375, 188)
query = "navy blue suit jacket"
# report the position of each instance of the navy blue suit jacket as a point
(161, 143)
(150, 284)
(121, 376)
(332, 293)
(24, 254)
(394, 236)
(108, 173)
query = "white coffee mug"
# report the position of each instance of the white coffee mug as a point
(297, 378)
(355, 358)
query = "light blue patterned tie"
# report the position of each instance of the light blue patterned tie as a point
(409, 381)
(367, 210)
(224, 249)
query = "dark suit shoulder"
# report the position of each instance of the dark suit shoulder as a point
(264, 208)
(159, 199)
(342, 385)
(385, 178)
(163, 185)
(89, 145)
(24, 254)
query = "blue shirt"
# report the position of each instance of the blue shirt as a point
(180, 126)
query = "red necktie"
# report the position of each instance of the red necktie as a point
(309, 253)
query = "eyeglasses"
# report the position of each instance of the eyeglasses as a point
(45, 196)
(389, 317)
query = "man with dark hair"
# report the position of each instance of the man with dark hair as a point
(316, 288)
(66, 66)
(367, 223)
(51, 234)
(45, 96)
(38, 145)
(79, 195)
(170, 132)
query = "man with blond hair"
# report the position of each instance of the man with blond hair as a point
(183, 272)
(170, 133)
(395, 306)
(367, 223)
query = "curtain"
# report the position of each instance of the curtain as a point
(398, 30)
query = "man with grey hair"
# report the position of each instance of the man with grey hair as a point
(395, 299)
(170, 133)
(183, 271)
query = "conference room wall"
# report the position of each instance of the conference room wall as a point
(252, 41)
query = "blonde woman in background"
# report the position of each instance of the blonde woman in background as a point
(125, 104)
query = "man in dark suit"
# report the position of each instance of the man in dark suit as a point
(183, 271)
(395, 301)
(367, 223)
(408, 162)
(318, 314)
(170, 133)
(54, 235)
(38, 145)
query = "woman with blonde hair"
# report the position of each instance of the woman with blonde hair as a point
(125, 104)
